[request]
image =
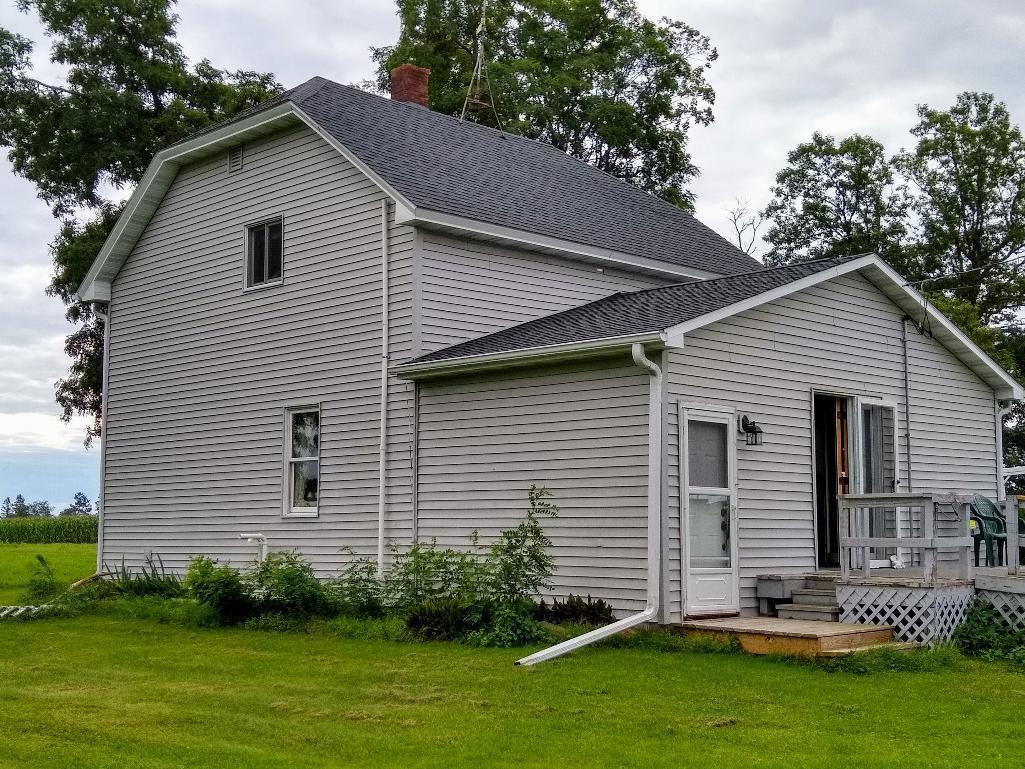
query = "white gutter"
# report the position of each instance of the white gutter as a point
(651, 607)
(383, 454)
(470, 362)
(105, 317)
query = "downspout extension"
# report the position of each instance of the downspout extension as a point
(383, 452)
(651, 607)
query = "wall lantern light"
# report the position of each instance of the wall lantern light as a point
(752, 432)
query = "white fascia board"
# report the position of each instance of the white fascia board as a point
(905, 297)
(421, 217)
(151, 190)
(506, 358)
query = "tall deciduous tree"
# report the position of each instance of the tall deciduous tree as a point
(968, 169)
(128, 92)
(594, 78)
(837, 198)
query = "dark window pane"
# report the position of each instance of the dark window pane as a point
(274, 251)
(305, 480)
(257, 248)
(305, 434)
(706, 449)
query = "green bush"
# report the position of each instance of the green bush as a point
(510, 624)
(519, 564)
(443, 619)
(358, 591)
(985, 634)
(221, 588)
(42, 585)
(284, 583)
(42, 530)
(575, 609)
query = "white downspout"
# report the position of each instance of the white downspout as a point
(1001, 412)
(105, 317)
(383, 453)
(651, 607)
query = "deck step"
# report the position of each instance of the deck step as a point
(773, 635)
(815, 597)
(819, 583)
(808, 612)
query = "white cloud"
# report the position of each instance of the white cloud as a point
(33, 432)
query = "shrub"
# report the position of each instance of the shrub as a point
(42, 585)
(442, 619)
(150, 579)
(44, 530)
(357, 592)
(985, 634)
(221, 588)
(575, 609)
(519, 564)
(423, 573)
(510, 624)
(285, 584)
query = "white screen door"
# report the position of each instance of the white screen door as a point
(878, 470)
(709, 510)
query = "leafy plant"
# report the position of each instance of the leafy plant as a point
(985, 634)
(520, 565)
(575, 609)
(284, 583)
(150, 579)
(221, 588)
(441, 619)
(357, 591)
(511, 624)
(422, 573)
(42, 585)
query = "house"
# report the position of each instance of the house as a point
(345, 322)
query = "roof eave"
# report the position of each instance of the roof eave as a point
(547, 354)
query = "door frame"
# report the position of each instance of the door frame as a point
(855, 430)
(728, 416)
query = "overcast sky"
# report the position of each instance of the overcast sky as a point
(785, 69)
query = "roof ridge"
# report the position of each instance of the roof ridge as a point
(703, 281)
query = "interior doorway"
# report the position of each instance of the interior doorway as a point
(832, 473)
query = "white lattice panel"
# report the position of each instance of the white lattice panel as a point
(1010, 606)
(921, 615)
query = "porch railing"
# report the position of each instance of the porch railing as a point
(927, 532)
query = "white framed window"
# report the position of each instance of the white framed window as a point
(263, 253)
(302, 461)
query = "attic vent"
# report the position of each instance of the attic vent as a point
(235, 159)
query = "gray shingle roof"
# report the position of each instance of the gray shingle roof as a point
(468, 170)
(637, 312)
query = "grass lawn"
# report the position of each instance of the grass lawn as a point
(98, 691)
(69, 563)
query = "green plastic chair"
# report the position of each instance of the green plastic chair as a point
(992, 530)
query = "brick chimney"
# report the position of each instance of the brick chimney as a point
(409, 83)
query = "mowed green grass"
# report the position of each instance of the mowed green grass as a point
(99, 691)
(69, 563)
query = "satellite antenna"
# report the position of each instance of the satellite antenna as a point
(476, 98)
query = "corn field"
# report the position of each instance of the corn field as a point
(70, 529)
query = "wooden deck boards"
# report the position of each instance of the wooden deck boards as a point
(772, 635)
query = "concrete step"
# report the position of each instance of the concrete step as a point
(815, 597)
(808, 612)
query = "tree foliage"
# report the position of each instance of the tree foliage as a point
(128, 92)
(594, 78)
(837, 198)
(81, 505)
(948, 214)
(20, 508)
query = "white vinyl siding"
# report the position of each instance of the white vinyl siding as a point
(470, 288)
(200, 370)
(580, 431)
(842, 336)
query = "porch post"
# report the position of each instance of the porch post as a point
(1011, 521)
(929, 533)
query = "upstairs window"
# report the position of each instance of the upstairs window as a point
(302, 461)
(263, 254)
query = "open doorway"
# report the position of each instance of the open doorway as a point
(832, 473)
(856, 451)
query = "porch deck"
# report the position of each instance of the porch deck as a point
(772, 635)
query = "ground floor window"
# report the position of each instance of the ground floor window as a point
(302, 460)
